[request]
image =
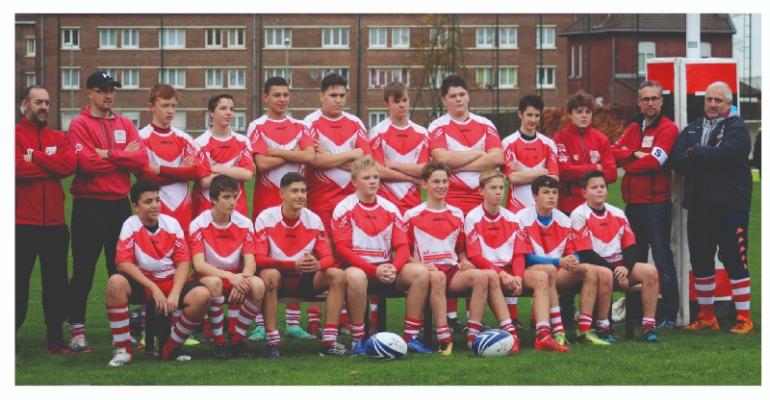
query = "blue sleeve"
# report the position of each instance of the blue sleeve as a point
(532, 259)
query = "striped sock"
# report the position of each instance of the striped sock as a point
(233, 311)
(602, 325)
(451, 308)
(217, 319)
(742, 296)
(273, 337)
(513, 306)
(77, 329)
(329, 334)
(259, 320)
(705, 287)
(474, 327)
(247, 314)
(373, 313)
(542, 329)
(357, 331)
(292, 314)
(344, 320)
(648, 324)
(411, 328)
(444, 334)
(584, 322)
(118, 317)
(556, 324)
(313, 320)
(507, 325)
(179, 334)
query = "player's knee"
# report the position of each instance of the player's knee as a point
(650, 273)
(604, 275)
(541, 280)
(492, 278)
(117, 284)
(337, 277)
(213, 284)
(198, 296)
(437, 280)
(355, 277)
(271, 278)
(480, 279)
(257, 284)
(590, 275)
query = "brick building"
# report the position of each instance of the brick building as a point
(500, 57)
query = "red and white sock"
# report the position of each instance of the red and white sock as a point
(648, 324)
(556, 324)
(373, 314)
(704, 287)
(247, 314)
(742, 296)
(118, 317)
(507, 325)
(602, 325)
(474, 327)
(329, 334)
(77, 329)
(216, 314)
(451, 308)
(584, 322)
(344, 320)
(357, 331)
(273, 337)
(513, 307)
(411, 328)
(259, 320)
(542, 329)
(444, 334)
(292, 314)
(233, 311)
(179, 334)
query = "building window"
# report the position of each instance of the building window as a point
(239, 121)
(318, 74)
(130, 79)
(70, 38)
(173, 38)
(509, 37)
(580, 61)
(31, 78)
(378, 37)
(572, 61)
(66, 119)
(335, 37)
(108, 38)
(705, 50)
(438, 76)
(400, 75)
(485, 37)
(213, 78)
(236, 78)
(646, 51)
(180, 120)
(214, 37)
(284, 73)
(485, 77)
(236, 38)
(509, 77)
(70, 78)
(545, 37)
(375, 117)
(377, 77)
(30, 47)
(129, 39)
(175, 77)
(132, 116)
(546, 77)
(400, 37)
(277, 37)
(438, 37)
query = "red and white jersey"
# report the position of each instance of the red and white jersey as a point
(327, 187)
(374, 231)
(476, 133)
(553, 240)
(234, 151)
(405, 145)
(437, 235)
(276, 239)
(496, 238)
(155, 253)
(223, 246)
(606, 234)
(538, 152)
(286, 134)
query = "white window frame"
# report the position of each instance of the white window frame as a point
(68, 75)
(375, 117)
(443, 36)
(30, 78)
(180, 120)
(126, 78)
(378, 78)
(572, 61)
(399, 75)
(106, 34)
(378, 38)
(512, 32)
(503, 83)
(239, 122)
(545, 85)
(236, 38)
(284, 73)
(127, 37)
(438, 77)
(214, 38)
(275, 38)
(134, 117)
(31, 46)
(66, 118)
(343, 72)
(74, 39)
(400, 33)
(549, 40)
(485, 37)
(645, 50)
(236, 78)
(179, 74)
(212, 78)
(705, 49)
(178, 34)
(580, 61)
(335, 38)
(485, 77)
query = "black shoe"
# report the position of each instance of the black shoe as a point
(222, 352)
(455, 325)
(272, 351)
(334, 349)
(240, 350)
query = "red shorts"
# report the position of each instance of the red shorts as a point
(164, 285)
(295, 285)
(226, 285)
(449, 271)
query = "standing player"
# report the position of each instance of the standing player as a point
(43, 157)
(281, 144)
(549, 234)
(174, 157)
(154, 262)
(222, 248)
(228, 153)
(467, 144)
(370, 239)
(496, 245)
(108, 149)
(604, 237)
(295, 258)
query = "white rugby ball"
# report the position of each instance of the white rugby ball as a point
(385, 346)
(492, 343)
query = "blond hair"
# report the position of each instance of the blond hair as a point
(488, 175)
(362, 164)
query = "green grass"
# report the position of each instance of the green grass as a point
(702, 358)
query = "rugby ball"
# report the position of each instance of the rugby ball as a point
(492, 343)
(385, 346)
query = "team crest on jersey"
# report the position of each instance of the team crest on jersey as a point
(594, 156)
(78, 147)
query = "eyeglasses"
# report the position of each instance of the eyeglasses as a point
(649, 99)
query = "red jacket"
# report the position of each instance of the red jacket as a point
(104, 178)
(648, 179)
(39, 195)
(577, 154)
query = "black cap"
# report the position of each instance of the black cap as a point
(102, 79)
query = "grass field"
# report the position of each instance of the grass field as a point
(703, 358)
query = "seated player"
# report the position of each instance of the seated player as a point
(222, 248)
(604, 237)
(435, 231)
(153, 262)
(549, 235)
(370, 239)
(295, 258)
(496, 245)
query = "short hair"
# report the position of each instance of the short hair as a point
(141, 187)
(361, 164)
(222, 183)
(451, 81)
(27, 90)
(214, 101)
(580, 99)
(394, 89)
(431, 167)
(544, 181)
(533, 101)
(652, 84)
(275, 81)
(590, 175)
(163, 91)
(728, 93)
(333, 79)
(486, 176)
(291, 177)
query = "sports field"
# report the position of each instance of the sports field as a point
(702, 358)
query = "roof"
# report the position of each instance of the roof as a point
(672, 23)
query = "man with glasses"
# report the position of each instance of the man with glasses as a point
(642, 151)
(108, 149)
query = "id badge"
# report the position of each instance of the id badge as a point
(120, 136)
(647, 141)
(50, 150)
